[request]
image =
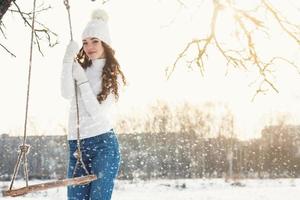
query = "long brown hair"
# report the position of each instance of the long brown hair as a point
(110, 72)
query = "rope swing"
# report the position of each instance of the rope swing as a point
(24, 148)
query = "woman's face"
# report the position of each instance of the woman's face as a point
(93, 48)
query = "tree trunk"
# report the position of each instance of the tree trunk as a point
(4, 5)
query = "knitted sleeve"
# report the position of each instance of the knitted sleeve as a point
(93, 107)
(67, 81)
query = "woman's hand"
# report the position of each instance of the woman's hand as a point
(71, 51)
(79, 74)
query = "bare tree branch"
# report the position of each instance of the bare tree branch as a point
(7, 50)
(41, 32)
(201, 50)
(37, 32)
(281, 21)
(2, 25)
(28, 14)
(248, 24)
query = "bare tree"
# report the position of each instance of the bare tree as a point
(247, 24)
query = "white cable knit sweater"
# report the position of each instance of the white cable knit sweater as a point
(94, 118)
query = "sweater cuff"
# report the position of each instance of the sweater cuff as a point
(79, 84)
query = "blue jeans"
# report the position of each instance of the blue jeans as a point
(101, 157)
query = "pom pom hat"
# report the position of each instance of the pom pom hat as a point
(98, 27)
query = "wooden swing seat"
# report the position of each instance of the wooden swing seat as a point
(44, 186)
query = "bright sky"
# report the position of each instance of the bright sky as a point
(147, 37)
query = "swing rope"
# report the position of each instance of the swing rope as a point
(24, 148)
(66, 3)
(78, 151)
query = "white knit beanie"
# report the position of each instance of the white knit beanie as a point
(98, 27)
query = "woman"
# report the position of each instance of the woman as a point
(97, 73)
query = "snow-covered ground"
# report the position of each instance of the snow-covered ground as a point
(197, 189)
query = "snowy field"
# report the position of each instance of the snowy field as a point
(198, 189)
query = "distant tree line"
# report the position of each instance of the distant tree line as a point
(187, 142)
(176, 155)
(171, 155)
